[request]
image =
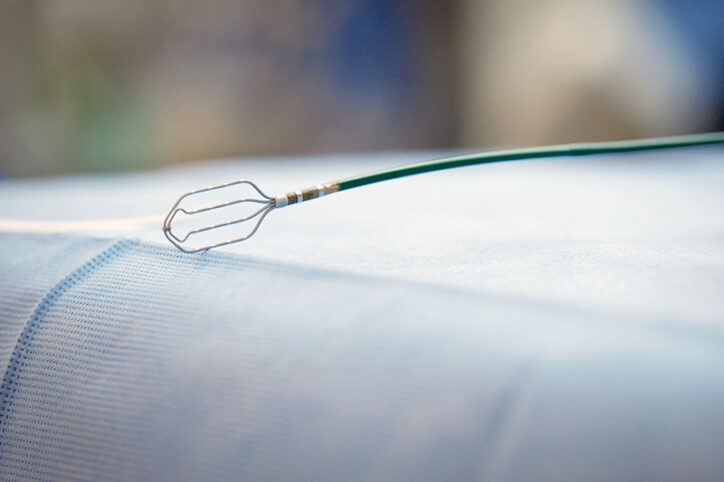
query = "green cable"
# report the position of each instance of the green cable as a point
(266, 204)
(566, 150)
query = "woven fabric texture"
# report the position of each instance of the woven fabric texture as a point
(145, 363)
(546, 320)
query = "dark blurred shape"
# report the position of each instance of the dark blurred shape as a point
(700, 26)
(101, 85)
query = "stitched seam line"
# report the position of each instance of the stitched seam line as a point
(11, 379)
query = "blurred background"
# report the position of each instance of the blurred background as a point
(90, 85)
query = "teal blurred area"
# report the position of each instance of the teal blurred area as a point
(104, 86)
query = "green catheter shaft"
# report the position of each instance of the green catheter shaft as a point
(261, 205)
(565, 150)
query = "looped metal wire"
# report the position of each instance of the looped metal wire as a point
(267, 205)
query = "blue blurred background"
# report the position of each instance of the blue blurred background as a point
(89, 85)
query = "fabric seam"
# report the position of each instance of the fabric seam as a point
(12, 376)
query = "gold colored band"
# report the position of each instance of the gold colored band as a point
(312, 192)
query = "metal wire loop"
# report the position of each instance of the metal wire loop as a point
(267, 205)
